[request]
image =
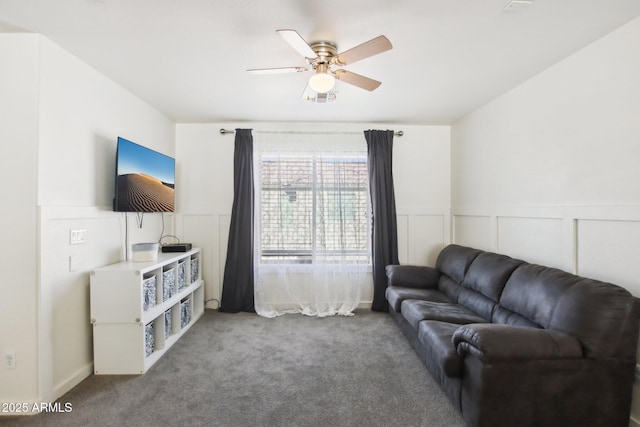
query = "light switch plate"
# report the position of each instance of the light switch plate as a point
(77, 236)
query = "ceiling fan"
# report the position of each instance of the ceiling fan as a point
(322, 57)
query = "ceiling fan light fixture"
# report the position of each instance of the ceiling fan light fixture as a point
(322, 55)
(322, 82)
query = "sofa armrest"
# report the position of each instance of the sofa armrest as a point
(499, 343)
(412, 276)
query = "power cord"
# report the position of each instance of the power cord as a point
(213, 299)
(162, 236)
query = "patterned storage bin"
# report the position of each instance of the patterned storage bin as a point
(149, 292)
(168, 284)
(182, 272)
(195, 264)
(185, 313)
(167, 324)
(149, 340)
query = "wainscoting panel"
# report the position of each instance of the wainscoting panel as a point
(536, 240)
(403, 238)
(224, 224)
(421, 235)
(202, 231)
(65, 342)
(608, 250)
(473, 231)
(427, 238)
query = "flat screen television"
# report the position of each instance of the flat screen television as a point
(145, 179)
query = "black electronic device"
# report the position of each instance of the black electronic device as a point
(176, 247)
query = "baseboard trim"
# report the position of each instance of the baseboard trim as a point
(35, 407)
(64, 387)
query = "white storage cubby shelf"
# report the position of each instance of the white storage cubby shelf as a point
(140, 309)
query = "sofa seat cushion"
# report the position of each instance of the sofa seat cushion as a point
(436, 337)
(415, 311)
(396, 294)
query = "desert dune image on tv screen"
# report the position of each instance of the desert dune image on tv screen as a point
(145, 181)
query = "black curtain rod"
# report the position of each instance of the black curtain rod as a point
(225, 131)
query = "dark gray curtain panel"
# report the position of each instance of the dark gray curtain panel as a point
(237, 286)
(384, 236)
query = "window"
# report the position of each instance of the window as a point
(314, 209)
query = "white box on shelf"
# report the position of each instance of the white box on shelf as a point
(144, 252)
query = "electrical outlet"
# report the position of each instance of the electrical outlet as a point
(10, 359)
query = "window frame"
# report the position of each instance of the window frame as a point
(311, 256)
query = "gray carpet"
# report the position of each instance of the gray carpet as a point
(244, 370)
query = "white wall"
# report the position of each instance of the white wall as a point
(549, 171)
(205, 181)
(18, 213)
(81, 115)
(422, 181)
(67, 138)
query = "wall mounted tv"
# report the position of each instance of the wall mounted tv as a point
(145, 179)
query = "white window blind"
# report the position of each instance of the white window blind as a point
(314, 208)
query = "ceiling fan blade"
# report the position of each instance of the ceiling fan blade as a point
(277, 70)
(297, 42)
(357, 80)
(372, 47)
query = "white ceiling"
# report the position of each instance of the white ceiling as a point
(187, 58)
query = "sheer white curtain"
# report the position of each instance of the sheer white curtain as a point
(312, 223)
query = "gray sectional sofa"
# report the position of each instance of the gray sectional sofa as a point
(518, 344)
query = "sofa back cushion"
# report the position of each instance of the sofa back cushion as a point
(453, 263)
(473, 278)
(483, 284)
(488, 273)
(604, 317)
(508, 317)
(533, 291)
